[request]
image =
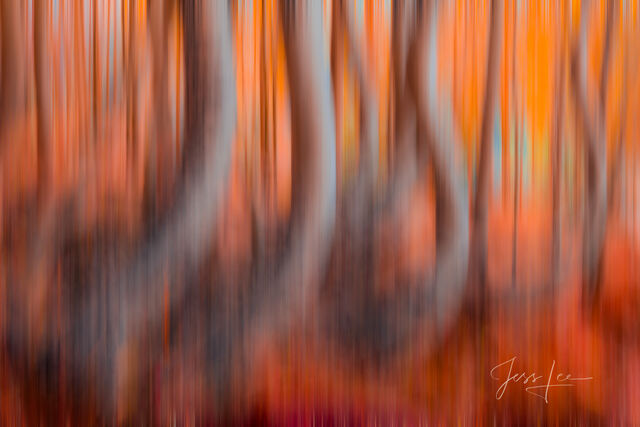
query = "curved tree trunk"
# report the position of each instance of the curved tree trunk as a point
(277, 295)
(382, 324)
(356, 203)
(342, 31)
(452, 221)
(281, 295)
(281, 289)
(123, 299)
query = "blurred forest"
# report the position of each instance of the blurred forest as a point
(318, 211)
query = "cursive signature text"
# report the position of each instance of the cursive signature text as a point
(540, 390)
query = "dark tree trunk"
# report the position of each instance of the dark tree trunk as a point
(13, 83)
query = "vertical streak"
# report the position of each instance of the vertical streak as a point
(604, 70)
(482, 189)
(264, 119)
(516, 177)
(557, 140)
(96, 73)
(43, 95)
(108, 51)
(122, 49)
(178, 77)
(274, 90)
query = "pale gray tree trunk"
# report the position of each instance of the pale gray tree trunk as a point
(380, 325)
(285, 295)
(121, 300)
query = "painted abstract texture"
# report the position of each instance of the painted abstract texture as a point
(319, 212)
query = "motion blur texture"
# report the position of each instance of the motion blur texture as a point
(319, 212)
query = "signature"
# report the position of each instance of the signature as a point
(540, 390)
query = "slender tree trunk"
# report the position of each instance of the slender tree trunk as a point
(107, 79)
(556, 168)
(357, 199)
(161, 164)
(97, 99)
(614, 173)
(337, 73)
(606, 54)
(131, 78)
(594, 129)
(313, 151)
(516, 158)
(402, 153)
(13, 83)
(267, 190)
(44, 107)
(79, 70)
(481, 202)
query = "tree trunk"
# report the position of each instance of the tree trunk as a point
(44, 107)
(281, 289)
(13, 83)
(516, 157)
(481, 201)
(313, 169)
(594, 129)
(124, 298)
(381, 325)
(556, 168)
(162, 156)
